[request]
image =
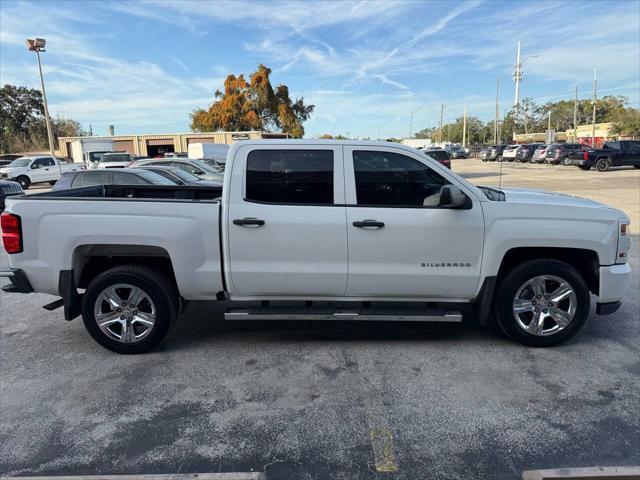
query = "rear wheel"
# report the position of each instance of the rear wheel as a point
(542, 303)
(499, 158)
(24, 182)
(129, 309)
(603, 164)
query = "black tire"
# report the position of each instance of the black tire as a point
(499, 158)
(518, 276)
(156, 285)
(636, 166)
(24, 182)
(603, 164)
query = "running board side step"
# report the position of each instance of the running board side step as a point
(368, 314)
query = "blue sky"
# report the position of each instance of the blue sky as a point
(366, 65)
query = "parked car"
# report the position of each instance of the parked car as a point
(4, 163)
(115, 160)
(30, 170)
(8, 188)
(120, 176)
(9, 157)
(539, 154)
(199, 168)
(178, 175)
(441, 156)
(558, 152)
(612, 154)
(510, 152)
(458, 152)
(492, 153)
(526, 152)
(306, 221)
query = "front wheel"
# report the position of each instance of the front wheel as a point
(603, 164)
(542, 303)
(499, 158)
(24, 182)
(129, 309)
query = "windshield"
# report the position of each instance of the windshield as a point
(21, 162)
(95, 156)
(204, 166)
(108, 158)
(154, 178)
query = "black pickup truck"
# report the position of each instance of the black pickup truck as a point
(612, 154)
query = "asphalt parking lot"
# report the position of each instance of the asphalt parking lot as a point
(328, 400)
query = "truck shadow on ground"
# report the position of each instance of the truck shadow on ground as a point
(202, 323)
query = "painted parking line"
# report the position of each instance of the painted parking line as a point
(371, 397)
(383, 453)
(168, 476)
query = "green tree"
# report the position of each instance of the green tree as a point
(627, 123)
(253, 105)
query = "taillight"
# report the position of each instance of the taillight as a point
(585, 155)
(11, 232)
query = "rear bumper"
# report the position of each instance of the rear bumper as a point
(19, 281)
(614, 284)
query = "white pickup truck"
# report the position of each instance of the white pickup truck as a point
(329, 230)
(38, 169)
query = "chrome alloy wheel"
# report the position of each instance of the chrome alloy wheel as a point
(125, 313)
(544, 305)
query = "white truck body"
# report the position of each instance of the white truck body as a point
(209, 151)
(242, 248)
(82, 148)
(37, 169)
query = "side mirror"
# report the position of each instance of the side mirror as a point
(35, 166)
(452, 197)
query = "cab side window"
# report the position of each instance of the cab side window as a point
(296, 177)
(386, 179)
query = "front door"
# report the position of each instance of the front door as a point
(42, 170)
(286, 222)
(401, 244)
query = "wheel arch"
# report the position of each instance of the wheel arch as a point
(90, 260)
(583, 260)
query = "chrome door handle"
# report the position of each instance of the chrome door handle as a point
(368, 224)
(248, 222)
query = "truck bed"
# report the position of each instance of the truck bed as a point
(179, 223)
(129, 192)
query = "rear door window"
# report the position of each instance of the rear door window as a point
(296, 177)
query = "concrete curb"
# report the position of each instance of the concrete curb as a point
(169, 476)
(589, 473)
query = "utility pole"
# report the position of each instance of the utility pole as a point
(497, 119)
(575, 116)
(595, 96)
(37, 45)
(441, 118)
(517, 77)
(549, 116)
(464, 128)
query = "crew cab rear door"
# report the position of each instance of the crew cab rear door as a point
(401, 244)
(286, 221)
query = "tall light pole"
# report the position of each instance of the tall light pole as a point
(517, 77)
(497, 119)
(595, 96)
(37, 45)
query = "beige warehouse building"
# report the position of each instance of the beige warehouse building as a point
(152, 145)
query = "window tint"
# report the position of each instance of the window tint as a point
(438, 155)
(122, 178)
(95, 178)
(290, 176)
(388, 179)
